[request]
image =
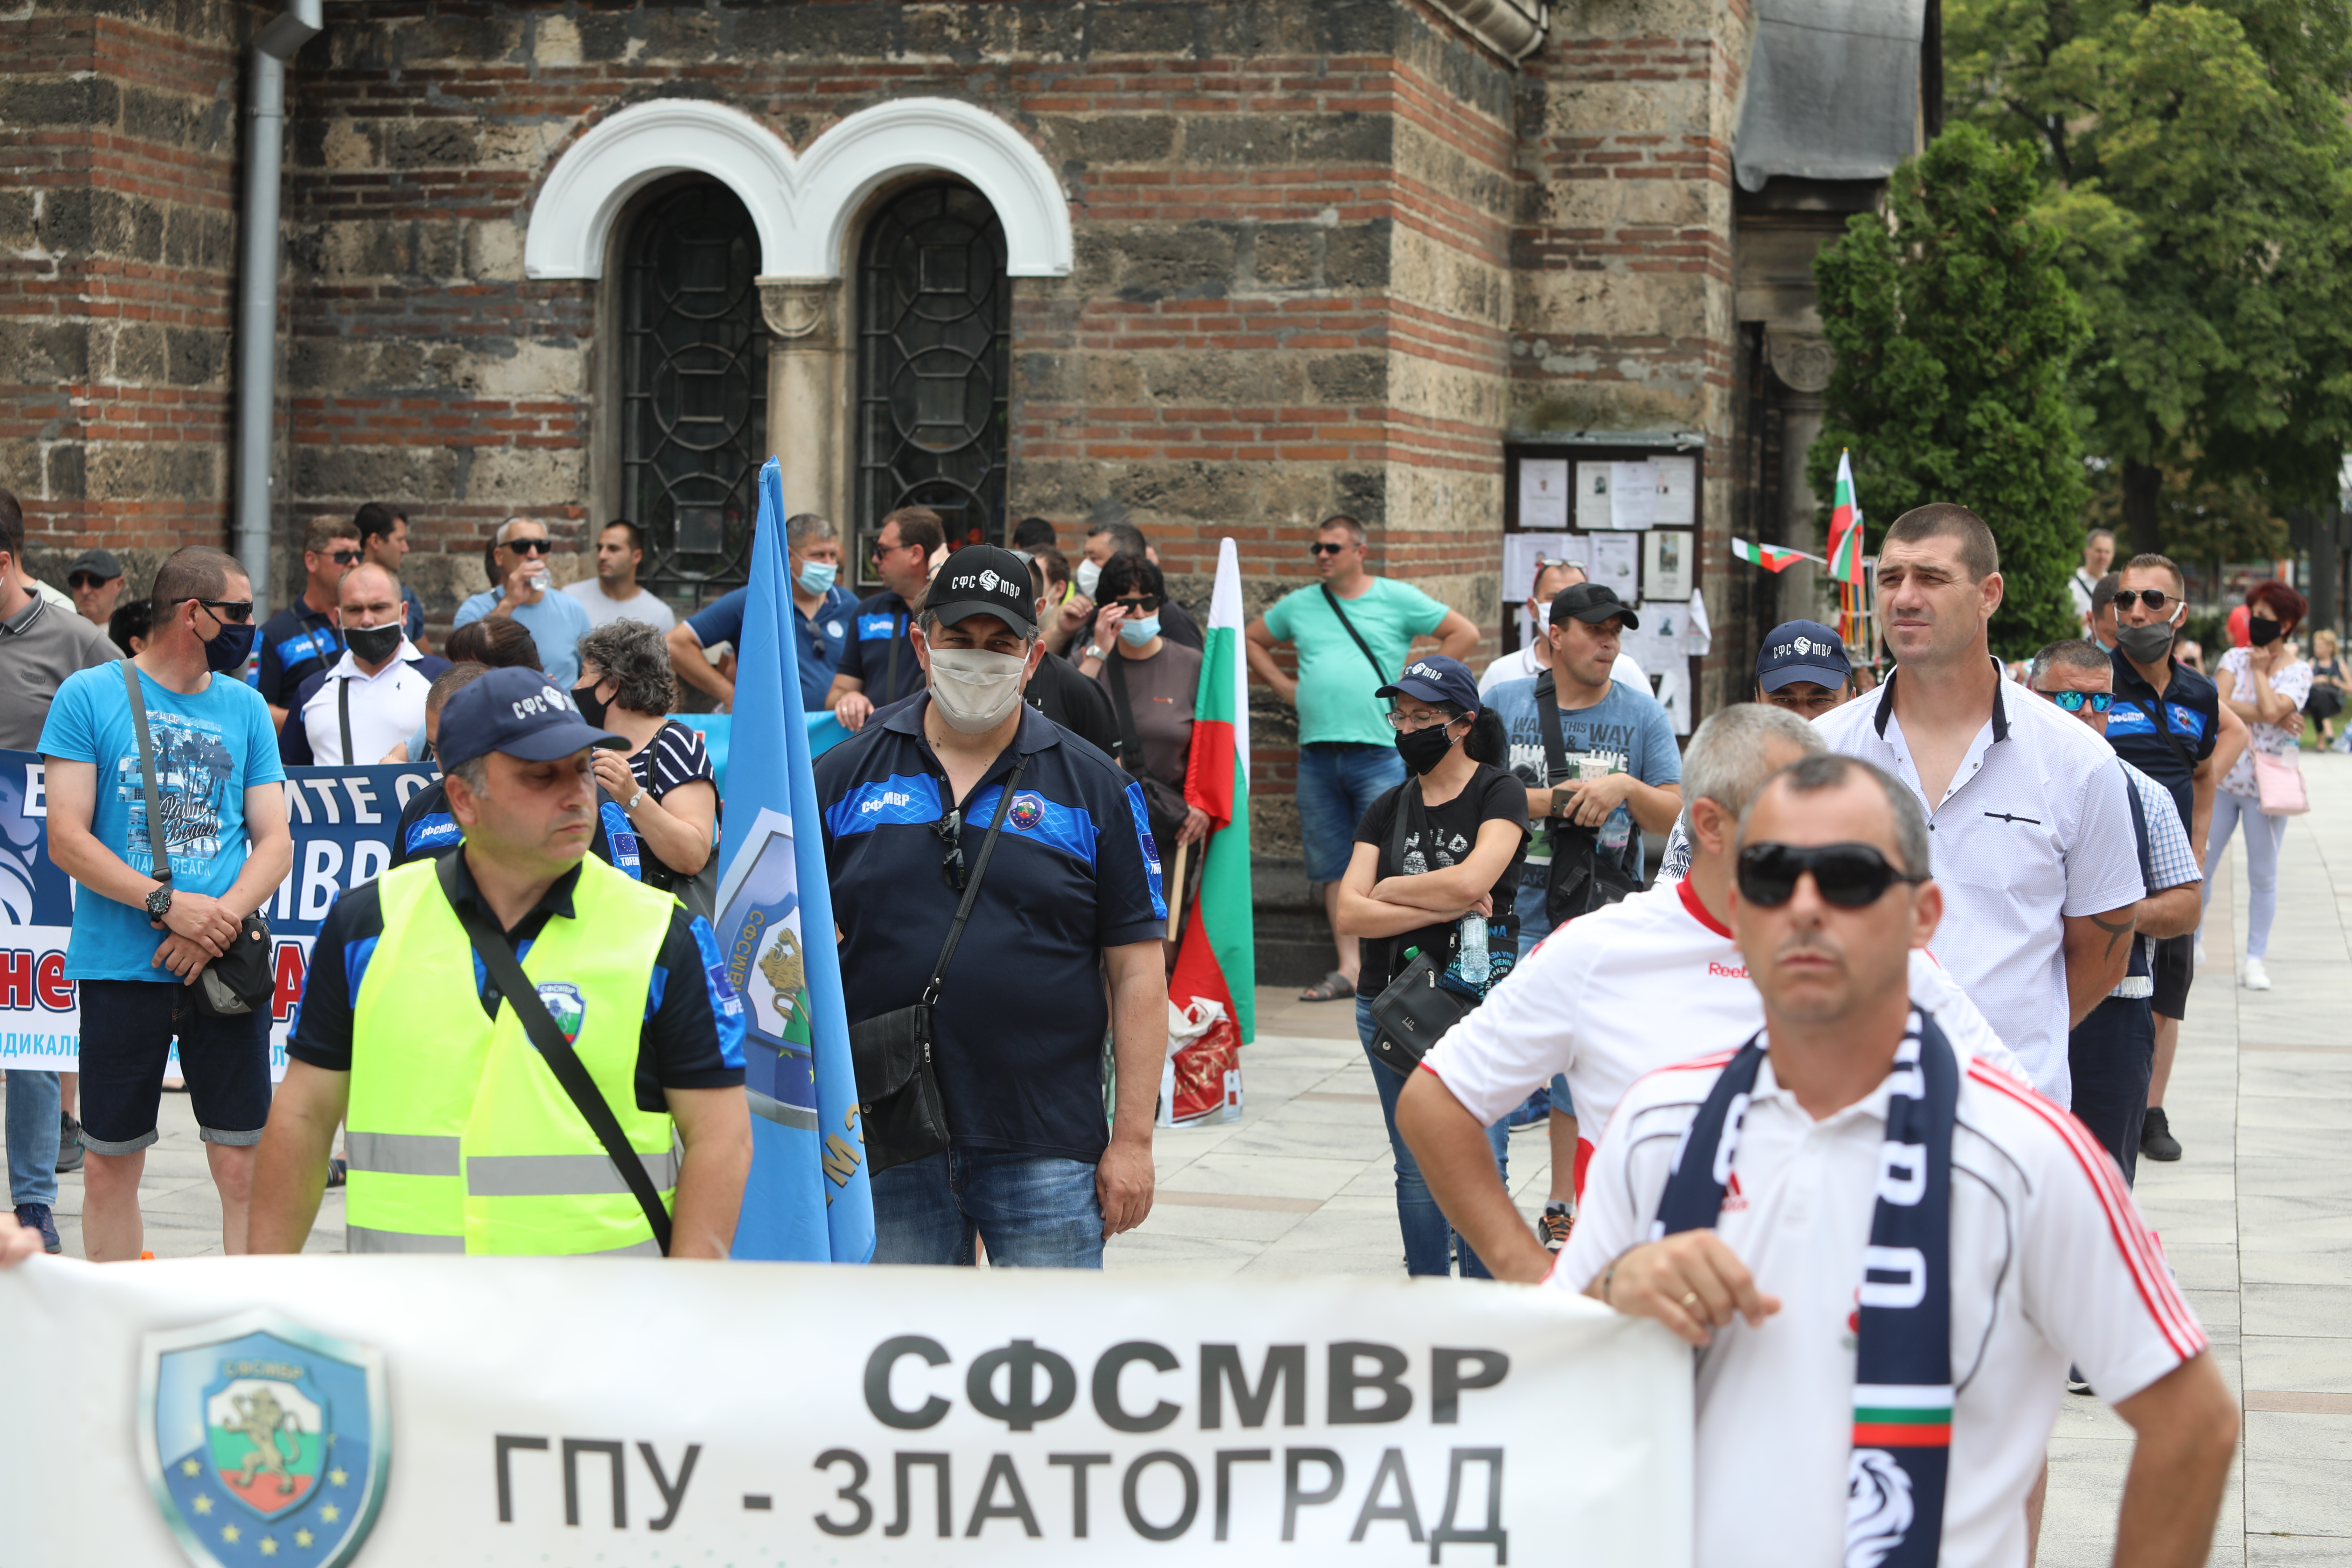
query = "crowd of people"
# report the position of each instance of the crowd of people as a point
(1003, 832)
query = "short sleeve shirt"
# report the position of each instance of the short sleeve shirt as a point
(1160, 692)
(1335, 681)
(210, 747)
(2190, 712)
(556, 625)
(877, 626)
(293, 645)
(1436, 837)
(823, 635)
(1020, 1020)
(1627, 731)
(40, 647)
(2293, 683)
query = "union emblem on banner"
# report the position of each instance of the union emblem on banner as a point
(263, 1442)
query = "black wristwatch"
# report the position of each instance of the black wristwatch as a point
(159, 902)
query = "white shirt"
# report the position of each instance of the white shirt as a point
(2035, 824)
(386, 709)
(2081, 585)
(1625, 991)
(602, 611)
(2051, 1263)
(1522, 666)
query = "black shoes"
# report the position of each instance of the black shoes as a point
(2156, 1139)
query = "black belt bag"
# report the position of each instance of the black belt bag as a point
(898, 1086)
(1580, 879)
(1416, 1007)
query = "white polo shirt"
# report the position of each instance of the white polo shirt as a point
(387, 708)
(2035, 824)
(1625, 991)
(2051, 1263)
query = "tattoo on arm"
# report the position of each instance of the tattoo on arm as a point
(2119, 929)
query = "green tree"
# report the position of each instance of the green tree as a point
(1954, 328)
(2198, 158)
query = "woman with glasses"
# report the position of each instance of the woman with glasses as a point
(1152, 682)
(1433, 871)
(2264, 683)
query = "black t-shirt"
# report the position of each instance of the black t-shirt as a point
(1078, 705)
(1444, 836)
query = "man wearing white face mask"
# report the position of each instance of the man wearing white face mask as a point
(966, 798)
(1536, 657)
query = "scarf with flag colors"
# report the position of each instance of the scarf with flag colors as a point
(1845, 528)
(808, 1199)
(1771, 557)
(1216, 956)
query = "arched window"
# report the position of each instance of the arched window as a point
(694, 389)
(934, 322)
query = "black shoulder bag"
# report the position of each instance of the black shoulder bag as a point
(897, 1087)
(1332, 599)
(490, 945)
(240, 980)
(1416, 1007)
(1583, 880)
(1166, 807)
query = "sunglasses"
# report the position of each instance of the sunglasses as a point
(1319, 548)
(1140, 606)
(82, 580)
(235, 611)
(2154, 598)
(880, 549)
(1851, 876)
(345, 557)
(519, 546)
(2075, 701)
(950, 829)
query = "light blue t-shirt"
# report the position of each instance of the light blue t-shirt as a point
(556, 625)
(210, 748)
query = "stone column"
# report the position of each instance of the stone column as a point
(809, 425)
(1800, 364)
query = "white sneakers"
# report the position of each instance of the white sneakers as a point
(2256, 977)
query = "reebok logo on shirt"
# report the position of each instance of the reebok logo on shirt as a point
(1727, 970)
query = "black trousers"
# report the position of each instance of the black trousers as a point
(2112, 1053)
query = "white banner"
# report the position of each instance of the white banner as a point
(237, 1412)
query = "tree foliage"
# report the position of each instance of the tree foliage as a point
(2198, 159)
(1954, 327)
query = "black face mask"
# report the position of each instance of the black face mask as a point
(1424, 749)
(2263, 632)
(591, 707)
(374, 645)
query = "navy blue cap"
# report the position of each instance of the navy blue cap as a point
(1803, 650)
(984, 580)
(1436, 680)
(517, 711)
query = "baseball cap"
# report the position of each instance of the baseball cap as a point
(1436, 680)
(100, 564)
(517, 711)
(984, 580)
(1592, 602)
(1803, 650)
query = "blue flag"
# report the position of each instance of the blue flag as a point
(808, 1200)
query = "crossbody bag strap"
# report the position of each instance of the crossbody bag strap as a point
(159, 840)
(971, 888)
(1332, 599)
(497, 956)
(1547, 721)
(1131, 743)
(343, 713)
(2156, 717)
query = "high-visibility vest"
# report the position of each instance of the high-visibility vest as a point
(460, 1138)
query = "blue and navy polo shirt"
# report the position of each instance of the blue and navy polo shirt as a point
(877, 624)
(1022, 1012)
(294, 645)
(2190, 710)
(426, 829)
(823, 635)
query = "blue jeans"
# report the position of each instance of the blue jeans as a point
(32, 1136)
(2112, 1055)
(1430, 1243)
(1337, 782)
(1034, 1211)
(2263, 835)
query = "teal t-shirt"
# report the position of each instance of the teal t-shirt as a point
(1336, 682)
(210, 748)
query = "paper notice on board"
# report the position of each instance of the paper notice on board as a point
(1521, 553)
(1633, 494)
(1677, 505)
(1543, 493)
(1666, 563)
(1674, 695)
(1592, 496)
(1616, 560)
(1698, 637)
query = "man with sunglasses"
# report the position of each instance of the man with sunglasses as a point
(304, 638)
(525, 593)
(878, 663)
(2032, 818)
(1885, 1249)
(145, 923)
(96, 579)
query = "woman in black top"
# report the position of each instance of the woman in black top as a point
(665, 786)
(1448, 879)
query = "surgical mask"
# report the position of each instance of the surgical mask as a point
(1543, 617)
(2145, 644)
(974, 688)
(2263, 632)
(374, 645)
(1139, 632)
(816, 577)
(1088, 573)
(227, 653)
(1424, 749)
(591, 707)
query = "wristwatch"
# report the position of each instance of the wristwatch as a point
(632, 806)
(1092, 653)
(159, 902)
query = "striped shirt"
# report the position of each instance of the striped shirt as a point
(2171, 864)
(675, 757)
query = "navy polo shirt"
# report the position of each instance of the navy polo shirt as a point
(877, 624)
(294, 645)
(823, 635)
(2190, 710)
(1022, 1012)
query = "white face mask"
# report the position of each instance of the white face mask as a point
(974, 688)
(1088, 573)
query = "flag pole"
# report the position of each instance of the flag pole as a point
(1176, 886)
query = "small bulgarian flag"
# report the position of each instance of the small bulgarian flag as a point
(1216, 956)
(1845, 528)
(1771, 557)
(1892, 1415)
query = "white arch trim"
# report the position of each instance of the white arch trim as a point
(804, 205)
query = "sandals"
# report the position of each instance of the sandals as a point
(1333, 987)
(338, 1172)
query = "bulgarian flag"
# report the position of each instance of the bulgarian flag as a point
(1216, 957)
(1771, 557)
(1845, 528)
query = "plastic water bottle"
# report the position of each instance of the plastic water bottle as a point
(1474, 963)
